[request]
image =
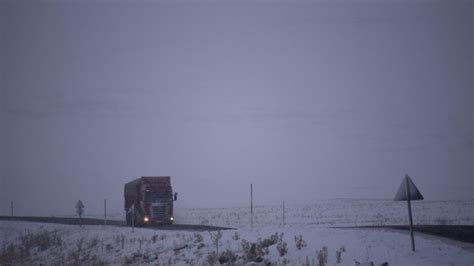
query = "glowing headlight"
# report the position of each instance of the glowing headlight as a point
(172, 219)
(145, 219)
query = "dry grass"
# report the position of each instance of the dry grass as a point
(29, 244)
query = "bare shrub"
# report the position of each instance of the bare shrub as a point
(96, 261)
(122, 240)
(198, 238)
(74, 256)
(251, 252)
(215, 239)
(41, 240)
(227, 257)
(269, 241)
(281, 246)
(212, 258)
(236, 236)
(92, 243)
(79, 244)
(368, 263)
(140, 242)
(322, 256)
(257, 251)
(300, 243)
(339, 254)
(245, 245)
(109, 247)
(154, 238)
(138, 254)
(119, 240)
(131, 259)
(9, 254)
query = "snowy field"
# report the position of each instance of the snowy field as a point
(269, 242)
(340, 212)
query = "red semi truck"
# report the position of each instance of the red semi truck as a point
(148, 200)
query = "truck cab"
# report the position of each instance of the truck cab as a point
(149, 200)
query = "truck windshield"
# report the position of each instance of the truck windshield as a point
(157, 196)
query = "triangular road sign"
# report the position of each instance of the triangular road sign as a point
(402, 194)
(79, 205)
(131, 209)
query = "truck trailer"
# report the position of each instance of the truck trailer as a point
(149, 200)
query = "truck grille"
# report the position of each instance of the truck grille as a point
(158, 212)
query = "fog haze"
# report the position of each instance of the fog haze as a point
(306, 100)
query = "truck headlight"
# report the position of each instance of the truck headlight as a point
(146, 219)
(171, 219)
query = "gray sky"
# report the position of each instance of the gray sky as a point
(305, 100)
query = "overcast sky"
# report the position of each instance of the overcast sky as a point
(306, 100)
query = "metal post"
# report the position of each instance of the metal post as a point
(11, 209)
(80, 219)
(251, 207)
(105, 211)
(410, 217)
(283, 212)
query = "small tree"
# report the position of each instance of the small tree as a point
(215, 239)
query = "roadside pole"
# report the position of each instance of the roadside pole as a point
(105, 211)
(80, 211)
(251, 207)
(409, 192)
(410, 217)
(283, 212)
